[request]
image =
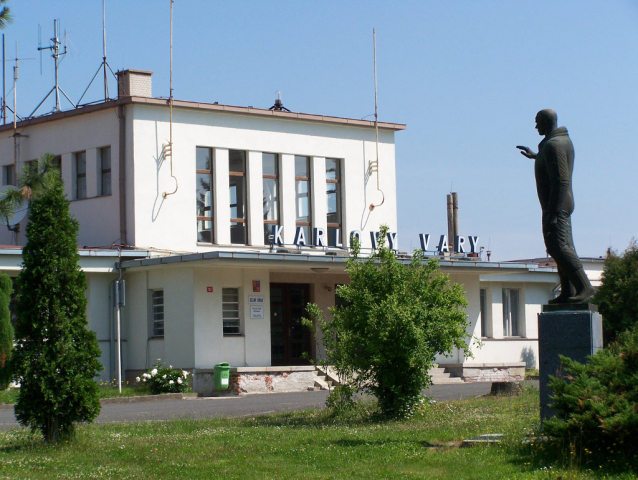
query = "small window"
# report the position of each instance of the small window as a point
(511, 309)
(484, 315)
(9, 175)
(157, 305)
(104, 171)
(80, 175)
(57, 163)
(230, 311)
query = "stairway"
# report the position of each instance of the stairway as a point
(441, 377)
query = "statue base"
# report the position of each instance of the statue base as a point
(570, 330)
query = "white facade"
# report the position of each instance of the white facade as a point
(176, 280)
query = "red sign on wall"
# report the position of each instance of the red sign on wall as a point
(256, 286)
(209, 289)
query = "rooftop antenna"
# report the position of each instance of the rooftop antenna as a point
(374, 166)
(104, 65)
(168, 149)
(56, 54)
(279, 105)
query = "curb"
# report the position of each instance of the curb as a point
(137, 399)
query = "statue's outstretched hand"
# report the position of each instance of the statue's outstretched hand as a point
(526, 152)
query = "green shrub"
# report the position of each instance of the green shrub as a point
(163, 379)
(597, 402)
(617, 297)
(6, 330)
(394, 320)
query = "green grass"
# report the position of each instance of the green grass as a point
(310, 445)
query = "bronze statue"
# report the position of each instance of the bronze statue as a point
(553, 166)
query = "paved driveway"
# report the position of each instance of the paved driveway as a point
(248, 405)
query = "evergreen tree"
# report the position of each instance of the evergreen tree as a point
(6, 330)
(617, 297)
(55, 359)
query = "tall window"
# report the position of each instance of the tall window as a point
(511, 309)
(271, 193)
(157, 306)
(484, 318)
(230, 311)
(204, 194)
(237, 183)
(104, 172)
(80, 175)
(333, 191)
(302, 195)
(9, 175)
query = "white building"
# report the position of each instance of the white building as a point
(204, 282)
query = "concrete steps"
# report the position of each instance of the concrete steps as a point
(326, 378)
(441, 377)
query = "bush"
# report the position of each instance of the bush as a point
(6, 331)
(163, 379)
(617, 297)
(394, 320)
(597, 403)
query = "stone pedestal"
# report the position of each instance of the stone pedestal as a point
(571, 330)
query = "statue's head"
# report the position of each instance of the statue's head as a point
(546, 121)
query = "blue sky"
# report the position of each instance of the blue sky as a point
(467, 77)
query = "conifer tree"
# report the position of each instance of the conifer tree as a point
(55, 360)
(6, 330)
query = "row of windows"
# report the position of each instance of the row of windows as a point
(271, 196)
(103, 179)
(230, 312)
(511, 313)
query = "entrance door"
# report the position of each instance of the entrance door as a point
(289, 339)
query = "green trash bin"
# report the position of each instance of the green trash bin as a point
(222, 376)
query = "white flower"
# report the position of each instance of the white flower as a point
(146, 375)
(171, 382)
(179, 380)
(185, 373)
(170, 366)
(154, 372)
(137, 379)
(164, 376)
(144, 379)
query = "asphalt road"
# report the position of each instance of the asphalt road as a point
(239, 406)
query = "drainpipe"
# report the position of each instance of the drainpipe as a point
(118, 299)
(122, 174)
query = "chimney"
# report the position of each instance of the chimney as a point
(452, 220)
(134, 83)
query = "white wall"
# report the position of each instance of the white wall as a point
(98, 216)
(169, 223)
(252, 348)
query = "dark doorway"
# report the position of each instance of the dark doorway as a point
(289, 339)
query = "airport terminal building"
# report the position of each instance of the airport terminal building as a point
(224, 234)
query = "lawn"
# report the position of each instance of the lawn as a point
(312, 445)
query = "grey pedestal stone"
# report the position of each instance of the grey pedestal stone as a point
(574, 331)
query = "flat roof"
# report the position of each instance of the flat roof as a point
(213, 107)
(319, 261)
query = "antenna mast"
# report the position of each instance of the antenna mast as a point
(104, 65)
(374, 166)
(55, 48)
(168, 149)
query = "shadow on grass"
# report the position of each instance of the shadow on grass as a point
(541, 454)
